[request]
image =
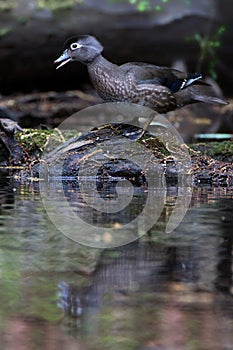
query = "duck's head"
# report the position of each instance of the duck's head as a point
(84, 49)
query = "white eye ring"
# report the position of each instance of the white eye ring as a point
(75, 46)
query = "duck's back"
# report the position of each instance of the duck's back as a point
(146, 73)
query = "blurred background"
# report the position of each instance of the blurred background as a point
(187, 34)
(32, 34)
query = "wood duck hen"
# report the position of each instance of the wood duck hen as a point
(160, 88)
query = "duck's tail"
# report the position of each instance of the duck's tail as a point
(194, 95)
(209, 99)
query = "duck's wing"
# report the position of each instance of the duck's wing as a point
(149, 71)
(173, 79)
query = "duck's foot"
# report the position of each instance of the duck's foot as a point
(141, 132)
(135, 135)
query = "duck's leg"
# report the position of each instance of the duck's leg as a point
(146, 125)
(149, 121)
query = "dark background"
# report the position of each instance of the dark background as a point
(32, 34)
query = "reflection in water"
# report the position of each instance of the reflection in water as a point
(165, 291)
(24, 333)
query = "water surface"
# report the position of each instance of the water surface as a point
(164, 291)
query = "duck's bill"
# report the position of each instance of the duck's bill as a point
(64, 58)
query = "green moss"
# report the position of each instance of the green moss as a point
(155, 144)
(55, 5)
(4, 31)
(33, 141)
(217, 150)
(7, 5)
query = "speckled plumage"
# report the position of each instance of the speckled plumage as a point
(161, 88)
(112, 84)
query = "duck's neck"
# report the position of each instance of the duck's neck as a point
(101, 64)
(107, 79)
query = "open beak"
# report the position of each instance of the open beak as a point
(64, 58)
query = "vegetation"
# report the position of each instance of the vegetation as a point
(208, 45)
(4, 31)
(7, 5)
(57, 4)
(217, 150)
(33, 141)
(148, 5)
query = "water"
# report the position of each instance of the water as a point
(165, 291)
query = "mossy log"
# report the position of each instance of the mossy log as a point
(211, 163)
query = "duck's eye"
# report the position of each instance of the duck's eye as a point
(75, 46)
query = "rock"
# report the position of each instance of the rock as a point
(7, 130)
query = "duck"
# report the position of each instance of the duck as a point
(161, 88)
